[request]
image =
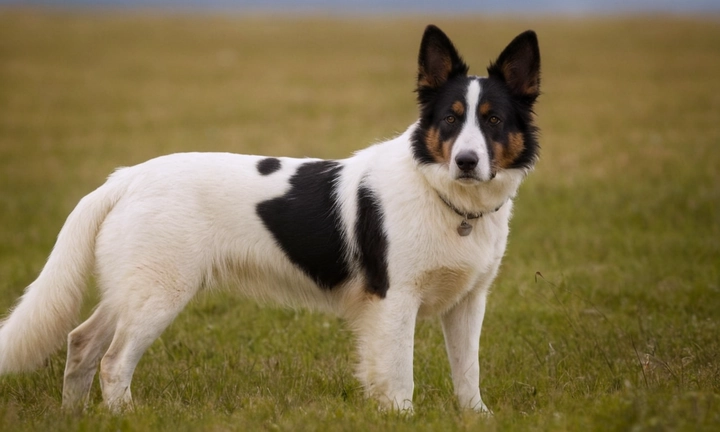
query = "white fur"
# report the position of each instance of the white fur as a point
(471, 137)
(160, 231)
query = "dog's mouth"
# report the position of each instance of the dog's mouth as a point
(468, 178)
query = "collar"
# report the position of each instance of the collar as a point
(466, 216)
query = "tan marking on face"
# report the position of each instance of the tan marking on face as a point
(446, 150)
(458, 108)
(485, 109)
(434, 146)
(505, 156)
(439, 150)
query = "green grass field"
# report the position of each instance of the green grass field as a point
(605, 315)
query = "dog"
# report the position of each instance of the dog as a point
(411, 227)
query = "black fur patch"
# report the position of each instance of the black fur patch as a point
(268, 166)
(306, 223)
(433, 111)
(372, 242)
(517, 117)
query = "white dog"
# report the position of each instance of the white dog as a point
(415, 226)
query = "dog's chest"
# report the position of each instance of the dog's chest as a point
(440, 288)
(448, 266)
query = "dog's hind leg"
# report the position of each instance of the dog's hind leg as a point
(143, 319)
(86, 345)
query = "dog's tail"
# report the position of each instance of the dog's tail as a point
(41, 320)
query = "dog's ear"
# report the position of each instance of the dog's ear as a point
(519, 66)
(438, 60)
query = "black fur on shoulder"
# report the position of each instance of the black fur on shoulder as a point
(306, 223)
(372, 242)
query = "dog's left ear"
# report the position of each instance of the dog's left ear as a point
(519, 66)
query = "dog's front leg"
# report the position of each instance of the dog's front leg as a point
(385, 330)
(461, 326)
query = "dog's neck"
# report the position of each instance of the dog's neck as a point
(465, 215)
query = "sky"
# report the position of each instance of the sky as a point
(405, 6)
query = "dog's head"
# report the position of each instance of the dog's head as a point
(472, 127)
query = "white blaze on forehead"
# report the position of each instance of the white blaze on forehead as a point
(472, 99)
(471, 137)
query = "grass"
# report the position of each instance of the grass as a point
(604, 316)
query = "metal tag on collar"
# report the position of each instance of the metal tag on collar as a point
(465, 228)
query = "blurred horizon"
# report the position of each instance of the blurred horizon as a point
(567, 7)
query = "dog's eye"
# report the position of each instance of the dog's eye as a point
(450, 119)
(494, 120)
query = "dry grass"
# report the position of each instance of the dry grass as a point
(621, 217)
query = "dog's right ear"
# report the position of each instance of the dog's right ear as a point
(438, 61)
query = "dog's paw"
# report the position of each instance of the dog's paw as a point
(404, 408)
(479, 407)
(474, 403)
(483, 410)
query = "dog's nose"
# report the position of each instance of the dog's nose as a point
(467, 160)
